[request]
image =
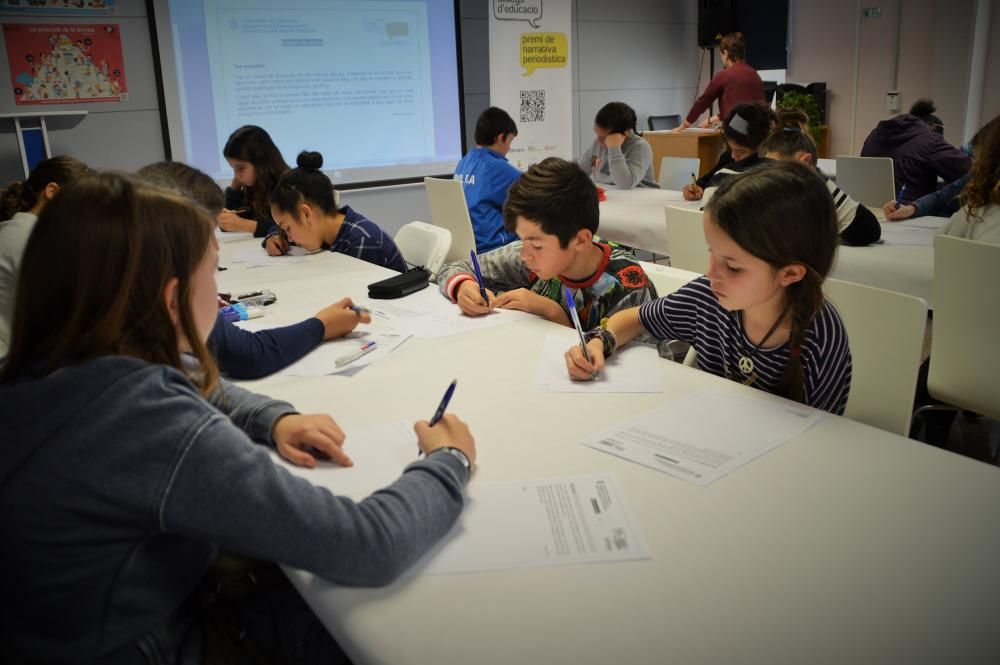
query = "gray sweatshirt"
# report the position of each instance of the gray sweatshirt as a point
(119, 483)
(625, 167)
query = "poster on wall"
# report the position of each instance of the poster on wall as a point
(530, 75)
(89, 7)
(54, 63)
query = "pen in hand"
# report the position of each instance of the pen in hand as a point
(902, 192)
(579, 328)
(439, 414)
(479, 277)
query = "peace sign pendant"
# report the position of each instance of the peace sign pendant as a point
(746, 365)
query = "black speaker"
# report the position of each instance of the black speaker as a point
(715, 19)
(818, 91)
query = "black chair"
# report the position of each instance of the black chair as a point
(657, 122)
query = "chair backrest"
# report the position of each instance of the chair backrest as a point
(657, 122)
(668, 279)
(965, 365)
(450, 211)
(886, 334)
(686, 239)
(868, 180)
(675, 172)
(424, 244)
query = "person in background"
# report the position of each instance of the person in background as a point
(128, 465)
(486, 175)
(856, 223)
(979, 217)
(744, 130)
(20, 204)
(919, 153)
(241, 354)
(619, 156)
(304, 205)
(737, 83)
(257, 164)
(944, 202)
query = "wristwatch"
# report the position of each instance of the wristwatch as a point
(454, 452)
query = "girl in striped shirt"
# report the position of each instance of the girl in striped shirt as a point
(758, 316)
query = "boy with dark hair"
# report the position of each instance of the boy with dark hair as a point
(553, 209)
(486, 174)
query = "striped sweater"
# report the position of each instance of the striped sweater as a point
(693, 314)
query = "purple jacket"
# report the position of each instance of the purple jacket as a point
(918, 154)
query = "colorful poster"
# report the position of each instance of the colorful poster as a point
(530, 76)
(91, 7)
(53, 63)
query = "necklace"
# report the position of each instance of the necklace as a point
(745, 363)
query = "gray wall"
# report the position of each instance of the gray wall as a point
(113, 135)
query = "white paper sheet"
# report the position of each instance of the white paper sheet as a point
(450, 321)
(259, 258)
(704, 436)
(322, 360)
(231, 236)
(526, 524)
(908, 235)
(633, 369)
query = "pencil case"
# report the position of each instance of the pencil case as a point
(401, 285)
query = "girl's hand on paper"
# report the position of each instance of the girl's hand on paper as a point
(300, 439)
(576, 362)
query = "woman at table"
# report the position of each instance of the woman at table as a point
(737, 83)
(127, 464)
(979, 216)
(619, 156)
(303, 204)
(257, 164)
(242, 354)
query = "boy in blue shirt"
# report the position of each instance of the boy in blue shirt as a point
(553, 209)
(486, 175)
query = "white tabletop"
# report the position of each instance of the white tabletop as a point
(636, 217)
(847, 544)
(903, 262)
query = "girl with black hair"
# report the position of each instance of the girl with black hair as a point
(619, 156)
(257, 164)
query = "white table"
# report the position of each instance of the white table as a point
(846, 545)
(636, 217)
(904, 262)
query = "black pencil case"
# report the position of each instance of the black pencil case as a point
(401, 285)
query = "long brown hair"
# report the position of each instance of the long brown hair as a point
(983, 187)
(22, 196)
(253, 144)
(94, 273)
(782, 213)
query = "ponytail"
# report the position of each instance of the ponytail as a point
(17, 197)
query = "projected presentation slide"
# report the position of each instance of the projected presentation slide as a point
(372, 84)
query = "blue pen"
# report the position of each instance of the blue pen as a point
(579, 328)
(902, 191)
(479, 277)
(439, 414)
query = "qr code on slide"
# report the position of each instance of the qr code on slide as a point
(532, 106)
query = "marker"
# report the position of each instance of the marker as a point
(367, 347)
(579, 328)
(439, 414)
(694, 181)
(479, 277)
(902, 191)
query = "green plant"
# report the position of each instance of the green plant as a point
(805, 103)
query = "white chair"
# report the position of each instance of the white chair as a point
(686, 239)
(424, 244)
(886, 334)
(675, 172)
(965, 366)
(867, 180)
(450, 211)
(667, 280)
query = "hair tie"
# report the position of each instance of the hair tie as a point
(739, 125)
(794, 130)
